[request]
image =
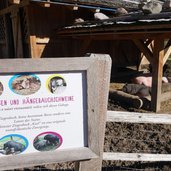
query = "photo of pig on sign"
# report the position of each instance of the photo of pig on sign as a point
(24, 84)
(47, 141)
(1, 88)
(13, 144)
(40, 112)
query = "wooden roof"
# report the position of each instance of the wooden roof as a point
(127, 4)
(130, 24)
(109, 3)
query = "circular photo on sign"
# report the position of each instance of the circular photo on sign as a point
(47, 141)
(56, 84)
(13, 144)
(24, 84)
(1, 88)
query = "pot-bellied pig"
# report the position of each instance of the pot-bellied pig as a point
(136, 89)
(41, 145)
(13, 147)
(146, 80)
(52, 139)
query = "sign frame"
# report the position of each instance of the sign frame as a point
(91, 65)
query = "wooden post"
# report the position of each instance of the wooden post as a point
(103, 72)
(17, 37)
(84, 46)
(157, 73)
(14, 1)
(33, 47)
(167, 51)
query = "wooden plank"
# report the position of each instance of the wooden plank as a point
(44, 4)
(44, 40)
(105, 35)
(144, 48)
(33, 47)
(136, 157)
(86, 43)
(43, 64)
(134, 117)
(142, 29)
(103, 72)
(95, 106)
(168, 43)
(167, 54)
(17, 35)
(29, 160)
(14, 1)
(157, 73)
(14, 7)
(143, 60)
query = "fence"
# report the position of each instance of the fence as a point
(158, 141)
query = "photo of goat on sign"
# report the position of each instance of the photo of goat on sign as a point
(56, 84)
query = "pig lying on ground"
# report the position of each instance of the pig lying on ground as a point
(146, 80)
(12, 147)
(137, 89)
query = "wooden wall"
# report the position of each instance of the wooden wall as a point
(37, 32)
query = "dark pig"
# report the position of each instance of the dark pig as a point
(137, 89)
(52, 139)
(13, 147)
(41, 145)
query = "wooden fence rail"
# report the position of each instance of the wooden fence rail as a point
(133, 117)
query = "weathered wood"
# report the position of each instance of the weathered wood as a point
(166, 54)
(29, 160)
(134, 117)
(86, 43)
(121, 96)
(33, 47)
(103, 72)
(44, 4)
(17, 37)
(42, 40)
(136, 157)
(143, 60)
(157, 73)
(14, 7)
(168, 43)
(14, 1)
(97, 74)
(144, 48)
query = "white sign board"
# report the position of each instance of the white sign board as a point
(41, 112)
(52, 110)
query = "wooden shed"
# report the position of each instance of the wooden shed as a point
(28, 29)
(151, 34)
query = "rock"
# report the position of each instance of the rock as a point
(152, 8)
(143, 2)
(100, 16)
(78, 20)
(121, 11)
